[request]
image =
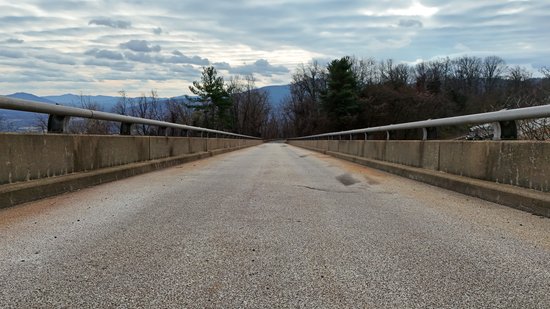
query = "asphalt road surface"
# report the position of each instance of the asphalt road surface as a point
(272, 226)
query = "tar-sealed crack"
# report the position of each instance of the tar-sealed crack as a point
(324, 190)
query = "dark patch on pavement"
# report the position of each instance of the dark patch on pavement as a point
(347, 179)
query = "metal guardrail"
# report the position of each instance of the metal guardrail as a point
(503, 122)
(59, 117)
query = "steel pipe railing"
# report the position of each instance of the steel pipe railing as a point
(503, 122)
(59, 115)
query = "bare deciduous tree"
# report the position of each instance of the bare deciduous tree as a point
(467, 74)
(519, 79)
(493, 68)
(545, 71)
(123, 105)
(41, 122)
(365, 71)
(176, 112)
(4, 125)
(251, 107)
(89, 126)
(397, 75)
(301, 111)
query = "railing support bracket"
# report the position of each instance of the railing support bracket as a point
(58, 124)
(126, 128)
(429, 133)
(505, 130)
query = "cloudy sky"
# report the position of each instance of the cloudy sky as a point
(100, 47)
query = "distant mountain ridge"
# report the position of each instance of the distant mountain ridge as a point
(276, 95)
(30, 97)
(21, 121)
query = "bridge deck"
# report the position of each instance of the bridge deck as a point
(272, 226)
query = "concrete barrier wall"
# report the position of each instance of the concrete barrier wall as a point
(521, 163)
(26, 157)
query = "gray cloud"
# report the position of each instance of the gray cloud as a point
(186, 69)
(22, 20)
(113, 65)
(11, 53)
(147, 58)
(178, 57)
(139, 57)
(410, 23)
(157, 30)
(261, 66)
(57, 59)
(104, 54)
(14, 41)
(222, 66)
(120, 24)
(140, 46)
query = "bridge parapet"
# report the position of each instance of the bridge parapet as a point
(512, 173)
(25, 157)
(478, 168)
(520, 163)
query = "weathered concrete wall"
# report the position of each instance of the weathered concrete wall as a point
(520, 163)
(26, 157)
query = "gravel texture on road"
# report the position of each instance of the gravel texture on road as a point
(273, 226)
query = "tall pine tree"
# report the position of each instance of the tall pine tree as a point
(212, 100)
(340, 101)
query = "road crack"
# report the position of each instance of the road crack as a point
(324, 190)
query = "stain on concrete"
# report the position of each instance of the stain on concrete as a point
(371, 181)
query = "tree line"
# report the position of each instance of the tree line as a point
(351, 93)
(235, 105)
(347, 93)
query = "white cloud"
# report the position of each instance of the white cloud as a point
(416, 9)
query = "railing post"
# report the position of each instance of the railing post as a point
(58, 124)
(429, 133)
(387, 135)
(162, 131)
(126, 128)
(505, 130)
(366, 136)
(508, 129)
